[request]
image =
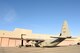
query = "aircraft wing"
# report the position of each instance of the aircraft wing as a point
(60, 37)
(34, 39)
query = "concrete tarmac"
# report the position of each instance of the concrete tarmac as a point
(65, 49)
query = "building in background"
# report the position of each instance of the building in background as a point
(13, 38)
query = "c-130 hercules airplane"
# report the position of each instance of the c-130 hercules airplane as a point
(52, 41)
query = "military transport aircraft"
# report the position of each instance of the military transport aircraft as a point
(52, 41)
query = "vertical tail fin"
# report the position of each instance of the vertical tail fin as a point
(65, 30)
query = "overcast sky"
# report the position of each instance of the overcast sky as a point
(40, 16)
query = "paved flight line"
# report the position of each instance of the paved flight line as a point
(66, 49)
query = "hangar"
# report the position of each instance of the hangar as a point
(13, 38)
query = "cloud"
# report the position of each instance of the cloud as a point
(10, 16)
